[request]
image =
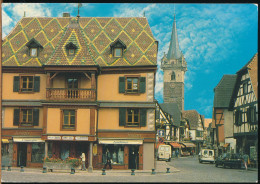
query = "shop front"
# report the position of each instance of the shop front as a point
(124, 153)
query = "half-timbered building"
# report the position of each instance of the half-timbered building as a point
(245, 109)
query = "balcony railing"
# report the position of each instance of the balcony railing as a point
(71, 94)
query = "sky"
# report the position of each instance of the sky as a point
(216, 39)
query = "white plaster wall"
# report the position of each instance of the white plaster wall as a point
(228, 123)
(148, 156)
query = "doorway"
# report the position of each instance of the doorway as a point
(22, 154)
(133, 157)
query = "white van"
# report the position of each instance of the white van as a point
(164, 152)
(207, 155)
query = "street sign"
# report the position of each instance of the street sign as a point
(160, 132)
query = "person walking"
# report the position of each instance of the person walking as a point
(83, 159)
(245, 160)
(177, 153)
(108, 160)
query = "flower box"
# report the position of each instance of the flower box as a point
(58, 164)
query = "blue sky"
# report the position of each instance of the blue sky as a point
(216, 39)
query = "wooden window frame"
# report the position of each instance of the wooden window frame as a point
(71, 53)
(245, 88)
(36, 52)
(27, 124)
(62, 120)
(21, 83)
(127, 124)
(114, 52)
(138, 84)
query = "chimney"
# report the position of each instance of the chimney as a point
(66, 14)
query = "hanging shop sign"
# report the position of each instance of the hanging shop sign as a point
(28, 140)
(68, 138)
(111, 141)
(81, 138)
(54, 137)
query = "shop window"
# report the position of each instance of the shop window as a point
(5, 149)
(37, 152)
(65, 151)
(50, 145)
(26, 84)
(68, 120)
(132, 84)
(26, 117)
(116, 154)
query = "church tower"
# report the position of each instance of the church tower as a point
(174, 66)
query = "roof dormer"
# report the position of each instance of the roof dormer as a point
(117, 48)
(34, 46)
(71, 49)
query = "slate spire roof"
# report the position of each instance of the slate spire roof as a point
(174, 50)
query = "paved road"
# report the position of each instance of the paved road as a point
(183, 170)
(192, 171)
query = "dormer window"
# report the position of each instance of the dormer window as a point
(33, 47)
(117, 48)
(71, 49)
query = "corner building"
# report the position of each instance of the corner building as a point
(73, 85)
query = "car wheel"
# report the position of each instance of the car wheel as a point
(200, 161)
(169, 160)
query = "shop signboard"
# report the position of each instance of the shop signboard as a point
(81, 138)
(68, 138)
(28, 140)
(54, 137)
(111, 141)
(160, 132)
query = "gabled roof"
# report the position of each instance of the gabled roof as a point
(223, 91)
(192, 116)
(173, 110)
(92, 34)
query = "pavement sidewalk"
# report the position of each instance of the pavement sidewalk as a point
(160, 168)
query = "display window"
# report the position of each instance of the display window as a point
(37, 152)
(115, 152)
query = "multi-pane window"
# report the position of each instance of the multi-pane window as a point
(199, 133)
(26, 117)
(118, 52)
(132, 84)
(27, 83)
(238, 117)
(69, 119)
(33, 52)
(245, 88)
(173, 76)
(251, 114)
(132, 117)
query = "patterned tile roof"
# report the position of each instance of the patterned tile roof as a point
(91, 35)
(223, 91)
(193, 118)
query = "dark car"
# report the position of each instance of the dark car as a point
(229, 160)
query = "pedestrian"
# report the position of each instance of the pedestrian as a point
(245, 160)
(177, 153)
(83, 159)
(192, 152)
(108, 160)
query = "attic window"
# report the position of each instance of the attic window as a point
(71, 49)
(33, 47)
(117, 48)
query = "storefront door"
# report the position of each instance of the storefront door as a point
(22, 154)
(133, 157)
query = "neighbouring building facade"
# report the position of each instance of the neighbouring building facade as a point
(244, 104)
(174, 67)
(73, 85)
(222, 121)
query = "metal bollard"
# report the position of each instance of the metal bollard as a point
(3, 167)
(44, 170)
(168, 170)
(72, 171)
(9, 168)
(22, 170)
(103, 171)
(153, 171)
(133, 172)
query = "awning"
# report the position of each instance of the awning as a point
(119, 141)
(189, 144)
(226, 145)
(5, 141)
(157, 145)
(176, 145)
(28, 140)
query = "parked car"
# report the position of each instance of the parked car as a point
(229, 160)
(164, 152)
(207, 155)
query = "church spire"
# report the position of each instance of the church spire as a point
(174, 50)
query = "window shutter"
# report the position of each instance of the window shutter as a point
(16, 117)
(142, 84)
(35, 117)
(36, 84)
(143, 115)
(236, 117)
(121, 84)
(122, 116)
(16, 83)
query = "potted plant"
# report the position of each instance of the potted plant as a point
(57, 163)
